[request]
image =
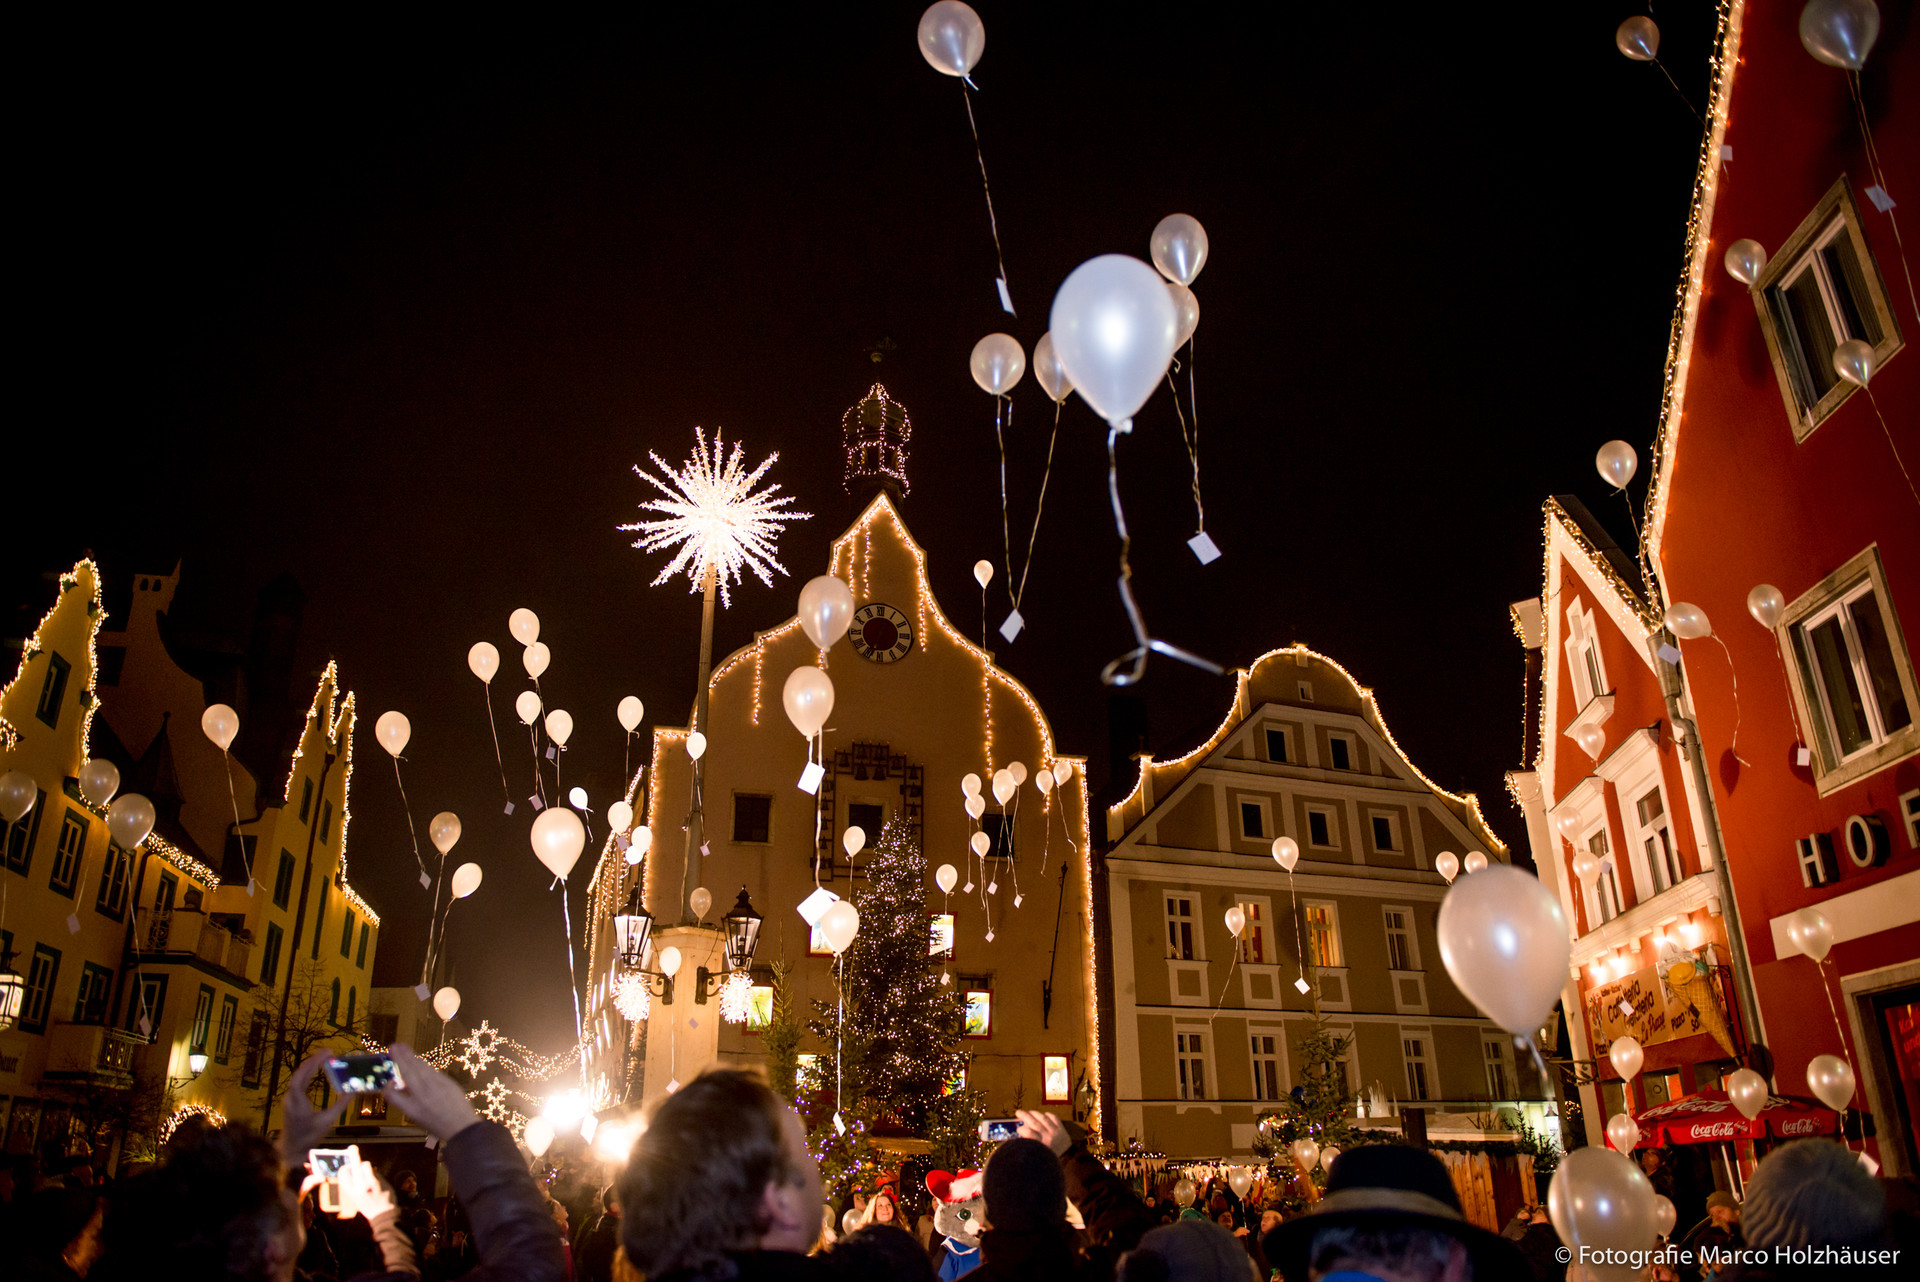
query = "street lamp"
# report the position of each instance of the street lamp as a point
(743, 932)
(197, 1062)
(735, 988)
(13, 992)
(632, 928)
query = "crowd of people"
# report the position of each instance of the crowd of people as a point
(720, 1187)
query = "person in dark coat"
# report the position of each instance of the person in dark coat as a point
(594, 1250)
(1539, 1242)
(1027, 1183)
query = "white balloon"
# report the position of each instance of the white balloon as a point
(444, 829)
(983, 573)
(1623, 1132)
(1664, 1216)
(638, 842)
(535, 659)
(1592, 740)
(1048, 372)
(393, 730)
(696, 745)
(1447, 864)
(1044, 782)
(826, 610)
(446, 1003)
(700, 901)
(946, 876)
(1505, 942)
(629, 712)
(1602, 1200)
(558, 837)
(1306, 1152)
(635, 853)
(854, 839)
(524, 624)
(1476, 861)
(1766, 603)
(619, 816)
(1062, 772)
(130, 819)
(1114, 329)
(952, 37)
(1239, 1179)
(1616, 462)
(1840, 33)
(997, 363)
(976, 806)
(527, 707)
(483, 660)
(1810, 932)
(1179, 247)
(808, 697)
(1236, 920)
(18, 792)
(220, 723)
(839, 924)
(466, 880)
(577, 797)
(1688, 621)
(99, 780)
(1586, 866)
(1568, 822)
(980, 842)
(1286, 852)
(1853, 361)
(669, 961)
(559, 725)
(1831, 1079)
(538, 1136)
(1186, 310)
(970, 785)
(1747, 1091)
(1018, 771)
(1638, 37)
(1003, 786)
(1745, 260)
(1627, 1057)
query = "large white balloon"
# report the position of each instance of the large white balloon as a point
(393, 730)
(696, 745)
(1004, 786)
(826, 610)
(839, 924)
(1236, 920)
(1853, 361)
(1179, 247)
(700, 901)
(1840, 33)
(1019, 772)
(1831, 1079)
(130, 819)
(952, 37)
(524, 624)
(1766, 603)
(559, 725)
(970, 784)
(99, 780)
(444, 829)
(1810, 932)
(558, 837)
(18, 792)
(1664, 1216)
(1638, 38)
(483, 660)
(1627, 1056)
(981, 843)
(1747, 1091)
(1447, 864)
(1286, 852)
(1476, 861)
(1745, 260)
(976, 806)
(1505, 942)
(577, 797)
(854, 839)
(1114, 328)
(997, 363)
(1586, 866)
(983, 573)
(1616, 462)
(1062, 772)
(808, 697)
(669, 961)
(446, 1003)
(538, 1136)
(1601, 1200)
(1623, 1132)
(466, 880)
(629, 712)
(220, 723)
(946, 876)
(1688, 621)
(619, 816)
(535, 659)
(527, 707)
(1049, 372)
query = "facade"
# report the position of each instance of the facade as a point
(917, 707)
(1205, 1029)
(155, 977)
(1651, 957)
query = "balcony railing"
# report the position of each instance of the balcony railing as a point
(91, 1052)
(177, 932)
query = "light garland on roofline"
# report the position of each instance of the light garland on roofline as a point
(186, 863)
(335, 718)
(96, 616)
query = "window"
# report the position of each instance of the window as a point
(223, 1039)
(1821, 289)
(1180, 927)
(256, 1049)
(96, 990)
(1583, 654)
(1413, 1050)
(1190, 1059)
(1253, 820)
(346, 935)
(202, 1020)
(1340, 752)
(360, 959)
(1320, 828)
(67, 854)
(759, 1008)
(1056, 1079)
(326, 821)
(319, 920)
(41, 975)
(1305, 689)
(1910, 815)
(1277, 746)
(352, 994)
(999, 830)
(752, 818)
(21, 836)
(270, 954)
(1386, 836)
(1323, 934)
(1403, 951)
(1256, 946)
(869, 816)
(53, 689)
(306, 799)
(1499, 1079)
(1605, 904)
(1266, 1066)
(147, 1004)
(283, 880)
(333, 1009)
(976, 1004)
(1855, 680)
(111, 901)
(1656, 836)
(940, 935)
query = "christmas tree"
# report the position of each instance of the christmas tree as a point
(1320, 1106)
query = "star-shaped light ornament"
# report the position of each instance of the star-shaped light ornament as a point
(713, 517)
(495, 1096)
(477, 1049)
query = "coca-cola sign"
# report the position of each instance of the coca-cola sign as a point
(1801, 1126)
(1718, 1131)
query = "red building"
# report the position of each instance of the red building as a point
(1769, 469)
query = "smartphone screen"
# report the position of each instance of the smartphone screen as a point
(362, 1074)
(996, 1129)
(328, 1162)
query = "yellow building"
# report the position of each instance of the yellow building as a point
(917, 707)
(1205, 1027)
(156, 978)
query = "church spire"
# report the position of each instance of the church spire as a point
(875, 433)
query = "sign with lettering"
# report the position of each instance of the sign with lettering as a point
(1652, 1007)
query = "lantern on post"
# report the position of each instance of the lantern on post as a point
(743, 932)
(632, 928)
(13, 992)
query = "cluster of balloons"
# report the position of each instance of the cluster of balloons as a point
(129, 818)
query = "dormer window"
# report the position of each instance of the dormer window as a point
(1583, 655)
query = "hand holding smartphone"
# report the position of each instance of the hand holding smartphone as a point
(362, 1074)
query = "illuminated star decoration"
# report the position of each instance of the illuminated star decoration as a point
(495, 1109)
(712, 511)
(477, 1048)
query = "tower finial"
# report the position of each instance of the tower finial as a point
(875, 433)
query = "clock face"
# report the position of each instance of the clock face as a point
(880, 633)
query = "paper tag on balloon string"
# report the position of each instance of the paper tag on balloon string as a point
(1878, 195)
(1726, 153)
(1669, 653)
(1204, 547)
(1626, 1007)
(839, 1124)
(1873, 1167)
(967, 889)
(705, 850)
(146, 1026)
(1011, 628)
(551, 753)
(1801, 757)
(73, 923)
(989, 937)
(1006, 299)
(1017, 899)
(425, 881)
(252, 885)
(422, 991)
(1302, 985)
(509, 807)
(432, 1142)
(993, 888)
(536, 803)
(810, 777)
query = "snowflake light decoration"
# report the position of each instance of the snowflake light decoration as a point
(477, 1048)
(495, 1108)
(736, 997)
(712, 511)
(631, 998)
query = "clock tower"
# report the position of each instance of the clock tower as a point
(875, 434)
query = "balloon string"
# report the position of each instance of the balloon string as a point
(404, 805)
(1792, 711)
(1735, 677)
(539, 780)
(1880, 179)
(1299, 940)
(1875, 402)
(1846, 1051)
(1190, 438)
(1033, 538)
(1684, 100)
(1111, 674)
(992, 223)
(573, 980)
(1006, 535)
(486, 693)
(1639, 545)
(245, 862)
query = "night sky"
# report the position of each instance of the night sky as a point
(394, 306)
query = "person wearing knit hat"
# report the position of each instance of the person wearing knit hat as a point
(1191, 1251)
(1813, 1193)
(1027, 1236)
